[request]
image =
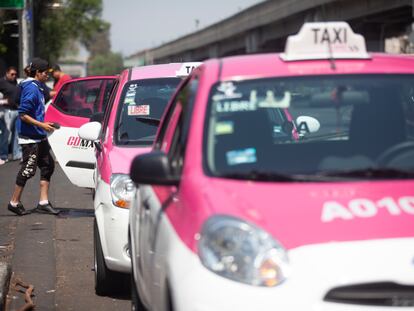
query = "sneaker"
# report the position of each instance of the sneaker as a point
(18, 210)
(2, 162)
(46, 209)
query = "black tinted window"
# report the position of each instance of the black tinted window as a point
(84, 98)
(142, 106)
(311, 124)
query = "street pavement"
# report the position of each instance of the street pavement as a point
(53, 253)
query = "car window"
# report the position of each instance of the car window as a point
(141, 107)
(108, 107)
(83, 98)
(175, 138)
(165, 125)
(304, 125)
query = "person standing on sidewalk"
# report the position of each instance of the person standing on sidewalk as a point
(33, 139)
(44, 87)
(3, 130)
(10, 90)
(60, 77)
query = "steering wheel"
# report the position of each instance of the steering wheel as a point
(390, 154)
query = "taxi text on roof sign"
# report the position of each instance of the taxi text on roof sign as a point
(324, 41)
(186, 69)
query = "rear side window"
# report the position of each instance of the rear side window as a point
(141, 107)
(84, 98)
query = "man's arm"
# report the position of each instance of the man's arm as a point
(3, 101)
(47, 126)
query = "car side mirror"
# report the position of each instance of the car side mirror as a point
(98, 117)
(153, 168)
(90, 131)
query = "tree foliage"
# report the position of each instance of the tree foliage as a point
(6, 32)
(105, 64)
(75, 20)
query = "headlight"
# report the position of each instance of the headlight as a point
(122, 190)
(242, 252)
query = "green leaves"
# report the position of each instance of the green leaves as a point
(105, 64)
(74, 20)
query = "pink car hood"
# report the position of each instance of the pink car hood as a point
(299, 214)
(121, 158)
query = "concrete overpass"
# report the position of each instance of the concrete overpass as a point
(265, 26)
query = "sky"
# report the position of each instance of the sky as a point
(140, 24)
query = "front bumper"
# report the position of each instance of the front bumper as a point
(113, 229)
(315, 270)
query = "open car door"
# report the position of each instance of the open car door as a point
(74, 104)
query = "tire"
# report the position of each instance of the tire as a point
(106, 281)
(136, 303)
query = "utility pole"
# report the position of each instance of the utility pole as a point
(25, 35)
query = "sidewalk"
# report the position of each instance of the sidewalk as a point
(7, 229)
(5, 274)
(8, 225)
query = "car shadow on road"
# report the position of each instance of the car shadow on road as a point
(75, 212)
(121, 296)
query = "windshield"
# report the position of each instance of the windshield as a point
(311, 125)
(142, 105)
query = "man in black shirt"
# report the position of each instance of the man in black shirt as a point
(10, 90)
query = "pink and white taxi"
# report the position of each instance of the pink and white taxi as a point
(234, 212)
(105, 148)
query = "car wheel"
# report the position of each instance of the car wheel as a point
(136, 303)
(106, 281)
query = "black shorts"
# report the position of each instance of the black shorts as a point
(35, 155)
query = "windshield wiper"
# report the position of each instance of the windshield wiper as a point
(372, 172)
(263, 176)
(148, 120)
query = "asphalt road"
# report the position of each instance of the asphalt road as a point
(55, 254)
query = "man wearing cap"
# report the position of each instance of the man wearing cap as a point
(60, 78)
(33, 139)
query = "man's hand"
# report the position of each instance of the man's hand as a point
(48, 126)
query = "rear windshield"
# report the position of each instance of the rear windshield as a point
(310, 125)
(142, 106)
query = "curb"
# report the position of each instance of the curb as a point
(5, 274)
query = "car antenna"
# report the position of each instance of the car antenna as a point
(330, 51)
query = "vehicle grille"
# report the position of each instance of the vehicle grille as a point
(373, 294)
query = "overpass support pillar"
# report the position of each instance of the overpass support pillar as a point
(213, 51)
(252, 42)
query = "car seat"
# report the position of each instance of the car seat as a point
(378, 125)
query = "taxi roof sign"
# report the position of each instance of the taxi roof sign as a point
(325, 40)
(186, 69)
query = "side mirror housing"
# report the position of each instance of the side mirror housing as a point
(152, 168)
(90, 131)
